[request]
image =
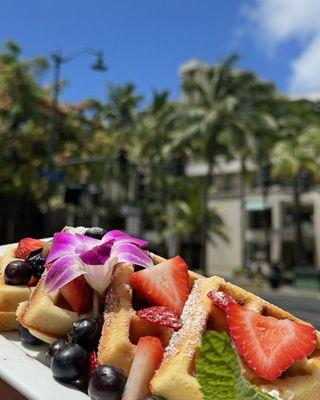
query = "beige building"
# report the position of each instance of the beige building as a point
(276, 212)
(225, 257)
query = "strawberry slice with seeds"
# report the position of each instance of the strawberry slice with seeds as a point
(268, 345)
(147, 360)
(165, 284)
(26, 246)
(93, 363)
(78, 294)
(160, 315)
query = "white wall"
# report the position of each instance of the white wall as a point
(224, 257)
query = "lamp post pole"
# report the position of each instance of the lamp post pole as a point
(58, 59)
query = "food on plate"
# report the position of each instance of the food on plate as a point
(126, 324)
(139, 304)
(18, 279)
(278, 353)
(78, 270)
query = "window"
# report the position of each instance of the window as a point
(259, 219)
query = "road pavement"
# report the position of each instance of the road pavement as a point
(304, 307)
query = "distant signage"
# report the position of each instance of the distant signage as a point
(52, 175)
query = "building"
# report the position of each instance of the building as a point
(269, 221)
(265, 229)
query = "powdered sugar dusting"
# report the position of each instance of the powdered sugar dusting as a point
(194, 319)
(110, 301)
(220, 299)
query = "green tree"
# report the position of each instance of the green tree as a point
(121, 106)
(184, 218)
(206, 113)
(23, 118)
(296, 155)
(252, 132)
(153, 129)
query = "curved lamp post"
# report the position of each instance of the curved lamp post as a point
(58, 59)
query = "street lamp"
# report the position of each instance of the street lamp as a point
(58, 59)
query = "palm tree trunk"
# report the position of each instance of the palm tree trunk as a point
(204, 228)
(243, 211)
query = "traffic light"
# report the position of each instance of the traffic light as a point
(178, 163)
(305, 181)
(123, 160)
(265, 175)
(141, 186)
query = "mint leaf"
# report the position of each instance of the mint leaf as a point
(219, 373)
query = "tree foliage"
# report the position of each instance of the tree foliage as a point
(226, 113)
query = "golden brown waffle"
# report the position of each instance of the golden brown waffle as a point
(122, 328)
(48, 316)
(175, 379)
(10, 296)
(43, 314)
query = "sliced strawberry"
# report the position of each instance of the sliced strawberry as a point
(160, 315)
(27, 245)
(165, 284)
(267, 344)
(147, 360)
(93, 363)
(78, 294)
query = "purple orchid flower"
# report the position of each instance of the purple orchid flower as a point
(73, 255)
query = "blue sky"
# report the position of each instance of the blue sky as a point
(145, 41)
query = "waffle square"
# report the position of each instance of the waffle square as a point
(10, 296)
(44, 316)
(122, 328)
(176, 380)
(48, 316)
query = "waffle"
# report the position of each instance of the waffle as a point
(122, 328)
(175, 379)
(10, 296)
(48, 316)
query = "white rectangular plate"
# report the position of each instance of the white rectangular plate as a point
(24, 369)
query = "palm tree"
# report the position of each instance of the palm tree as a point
(184, 218)
(210, 107)
(251, 133)
(121, 106)
(297, 154)
(153, 128)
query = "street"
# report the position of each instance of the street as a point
(306, 308)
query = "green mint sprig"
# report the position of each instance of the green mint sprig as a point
(219, 373)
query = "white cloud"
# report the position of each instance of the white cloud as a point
(278, 21)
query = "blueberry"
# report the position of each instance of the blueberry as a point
(18, 272)
(95, 232)
(37, 261)
(27, 338)
(107, 383)
(54, 347)
(86, 332)
(70, 362)
(154, 398)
